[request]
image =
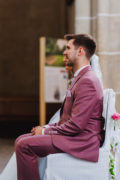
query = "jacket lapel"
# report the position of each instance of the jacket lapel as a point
(81, 73)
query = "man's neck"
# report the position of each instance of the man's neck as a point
(80, 65)
(80, 69)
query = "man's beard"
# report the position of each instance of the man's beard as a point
(69, 64)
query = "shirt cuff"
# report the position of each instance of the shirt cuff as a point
(46, 126)
(43, 131)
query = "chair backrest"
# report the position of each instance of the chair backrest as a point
(108, 111)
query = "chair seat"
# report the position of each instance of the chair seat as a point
(63, 166)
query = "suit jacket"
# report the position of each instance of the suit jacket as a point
(79, 130)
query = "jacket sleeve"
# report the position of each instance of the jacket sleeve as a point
(85, 98)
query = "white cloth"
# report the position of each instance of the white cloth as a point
(10, 171)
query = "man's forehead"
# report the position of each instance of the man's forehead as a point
(70, 42)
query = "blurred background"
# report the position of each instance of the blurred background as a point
(22, 23)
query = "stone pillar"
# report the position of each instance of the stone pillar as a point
(101, 19)
(82, 16)
(108, 30)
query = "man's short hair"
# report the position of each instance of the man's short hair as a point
(84, 40)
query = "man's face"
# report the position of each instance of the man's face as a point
(70, 54)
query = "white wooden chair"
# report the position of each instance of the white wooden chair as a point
(65, 167)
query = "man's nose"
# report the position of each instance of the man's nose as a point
(64, 53)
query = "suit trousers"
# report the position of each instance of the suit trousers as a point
(28, 148)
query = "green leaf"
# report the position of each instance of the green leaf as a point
(111, 146)
(116, 144)
(111, 161)
(112, 165)
(111, 171)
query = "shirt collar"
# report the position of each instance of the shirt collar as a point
(77, 72)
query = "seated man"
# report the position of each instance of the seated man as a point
(78, 131)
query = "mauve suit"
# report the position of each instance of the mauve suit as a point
(79, 131)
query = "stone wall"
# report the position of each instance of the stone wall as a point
(21, 25)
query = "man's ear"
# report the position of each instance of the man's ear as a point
(81, 51)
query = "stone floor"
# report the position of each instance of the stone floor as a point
(6, 150)
(9, 131)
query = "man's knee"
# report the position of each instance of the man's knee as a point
(20, 145)
(17, 141)
(19, 138)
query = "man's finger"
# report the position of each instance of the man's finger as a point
(33, 130)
